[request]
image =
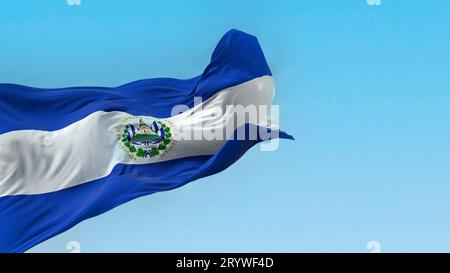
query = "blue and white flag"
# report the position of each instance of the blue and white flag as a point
(70, 154)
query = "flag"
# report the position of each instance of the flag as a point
(69, 154)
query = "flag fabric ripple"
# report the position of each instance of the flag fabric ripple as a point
(69, 154)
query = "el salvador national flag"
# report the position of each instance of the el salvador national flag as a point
(69, 154)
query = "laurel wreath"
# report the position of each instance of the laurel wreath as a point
(153, 151)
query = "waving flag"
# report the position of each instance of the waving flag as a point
(70, 154)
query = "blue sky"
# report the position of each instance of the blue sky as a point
(364, 89)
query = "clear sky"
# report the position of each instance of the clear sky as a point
(364, 89)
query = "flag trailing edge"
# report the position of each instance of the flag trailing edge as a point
(70, 154)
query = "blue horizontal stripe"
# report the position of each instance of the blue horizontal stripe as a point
(237, 58)
(26, 220)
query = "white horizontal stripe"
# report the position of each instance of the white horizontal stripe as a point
(34, 162)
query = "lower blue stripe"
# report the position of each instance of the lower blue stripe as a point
(26, 220)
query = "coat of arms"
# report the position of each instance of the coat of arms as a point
(145, 138)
